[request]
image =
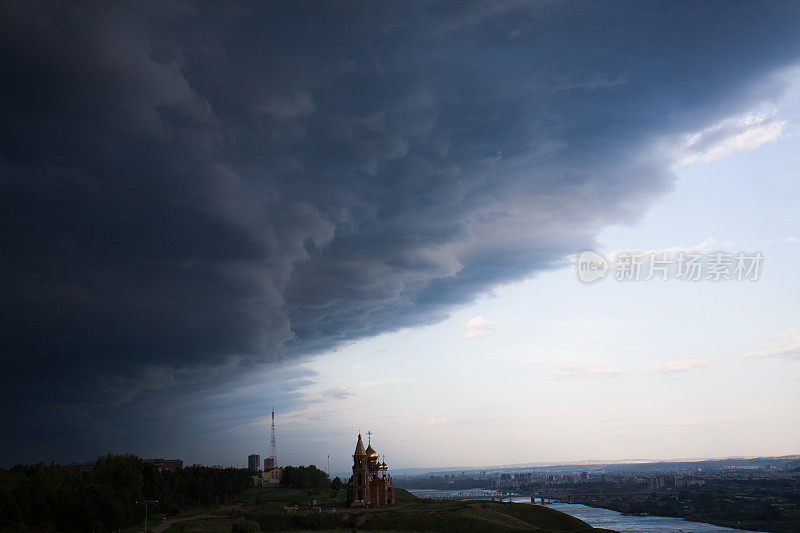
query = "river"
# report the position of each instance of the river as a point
(608, 519)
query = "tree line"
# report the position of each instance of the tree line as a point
(110, 495)
(308, 477)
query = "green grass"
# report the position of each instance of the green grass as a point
(409, 513)
(202, 525)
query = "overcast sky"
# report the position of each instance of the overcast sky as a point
(367, 215)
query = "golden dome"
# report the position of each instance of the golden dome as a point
(372, 453)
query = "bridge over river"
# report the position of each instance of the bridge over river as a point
(492, 495)
(487, 494)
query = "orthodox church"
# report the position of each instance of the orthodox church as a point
(370, 483)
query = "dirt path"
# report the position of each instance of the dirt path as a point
(169, 521)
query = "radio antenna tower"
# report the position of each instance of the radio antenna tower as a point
(273, 448)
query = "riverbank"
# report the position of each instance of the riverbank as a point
(706, 523)
(608, 518)
(758, 512)
(291, 509)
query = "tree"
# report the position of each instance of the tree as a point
(56, 498)
(304, 477)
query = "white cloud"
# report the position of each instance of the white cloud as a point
(383, 381)
(706, 244)
(337, 393)
(479, 327)
(678, 365)
(447, 421)
(785, 345)
(313, 413)
(392, 416)
(582, 371)
(440, 421)
(744, 132)
(792, 239)
(478, 322)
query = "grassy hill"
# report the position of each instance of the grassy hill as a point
(266, 508)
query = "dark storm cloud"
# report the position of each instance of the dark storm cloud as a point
(190, 191)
